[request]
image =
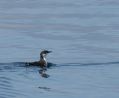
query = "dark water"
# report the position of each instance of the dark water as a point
(84, 38)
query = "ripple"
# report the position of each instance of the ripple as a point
(53, 90)
(45, 88)
(22, 65)
(89, 64)
(7, 89)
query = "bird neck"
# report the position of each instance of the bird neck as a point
(42, 57)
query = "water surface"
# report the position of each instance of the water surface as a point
(83, 36)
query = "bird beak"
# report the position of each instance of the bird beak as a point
(49, 51)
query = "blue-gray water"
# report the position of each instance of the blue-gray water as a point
(84, 38)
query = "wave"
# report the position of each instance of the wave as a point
(14, 65)
(89, 64)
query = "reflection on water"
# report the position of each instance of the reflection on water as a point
(45, 88)
(11, 71)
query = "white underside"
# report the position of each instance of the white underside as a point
(45, 60)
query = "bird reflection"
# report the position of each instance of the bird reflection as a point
(43, 73)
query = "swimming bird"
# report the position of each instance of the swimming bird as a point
(42, 62)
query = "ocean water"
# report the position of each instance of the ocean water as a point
(84, 38)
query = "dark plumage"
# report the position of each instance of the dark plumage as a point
(42, 62)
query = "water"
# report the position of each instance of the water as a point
(83, 35)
